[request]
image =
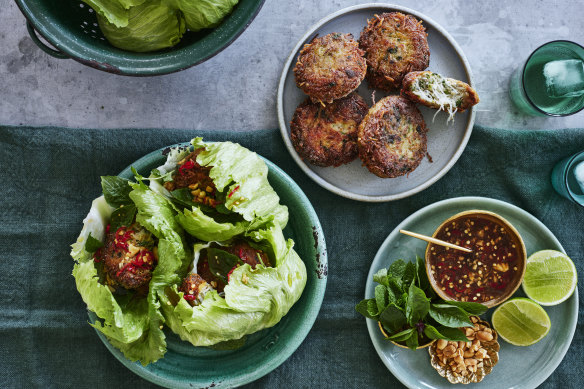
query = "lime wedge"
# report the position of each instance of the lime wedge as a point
(550, 277)
(521, 321)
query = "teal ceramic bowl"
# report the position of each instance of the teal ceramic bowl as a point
(71, 28)
(186, 366)
(518, 367)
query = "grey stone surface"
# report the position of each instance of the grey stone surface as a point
(237, 88)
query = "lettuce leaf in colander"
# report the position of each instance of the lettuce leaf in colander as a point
(201, 14)
(150, 26)
(115, 11)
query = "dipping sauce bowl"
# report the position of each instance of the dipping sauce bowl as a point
(491, 273)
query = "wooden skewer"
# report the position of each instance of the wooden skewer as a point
(435, 241)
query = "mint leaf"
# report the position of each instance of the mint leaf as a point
(116, 190)
(396, 287)
(221, 262)
(422, 276)
(452, 334)
(450, 315)
(417, 305)
(471, 308)
(432, 333)
(123, 216)
(412, 341)
(92, 244)
(393, 319)
(381, 297)
(381, 277)
(409, 275)
(368, 308)
(402, 336)
(396, 269)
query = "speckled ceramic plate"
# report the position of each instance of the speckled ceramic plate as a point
(518, 367)
(186, 366)
(446, 141)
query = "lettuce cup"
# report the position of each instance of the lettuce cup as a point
(129, 249)
(236, 287)
(219, 189)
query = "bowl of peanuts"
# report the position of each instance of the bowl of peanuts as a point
(466, 362)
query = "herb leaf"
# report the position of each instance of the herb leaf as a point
(221, 262)
(471, 308)
(453, 334)
(403, 335)
(381, 277)
(412, 341)
(422, 276)
(92, 244)
(450, 315)
(123, 216)
(395, 287)
(393, 318)
(368, 308)
(396, 269)
(409, 275)
(116, 191)
(432, 333)
(417, 305)
(381, 297)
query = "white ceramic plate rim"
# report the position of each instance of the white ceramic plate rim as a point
(284, 127)
(538, 377)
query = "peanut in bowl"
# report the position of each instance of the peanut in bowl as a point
(491, 273)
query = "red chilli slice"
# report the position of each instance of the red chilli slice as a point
(233, 191)
(186, 166)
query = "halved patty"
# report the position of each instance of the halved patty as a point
(435, 91)
(330, 67)
(395, 44)
(392, 137)
(327, 135)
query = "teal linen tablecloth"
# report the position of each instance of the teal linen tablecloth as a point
(50, 175)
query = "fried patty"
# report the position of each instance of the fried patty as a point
(395, 44)
(189, 174)
(392, 137)
(194, 288)
(435, 91)
(327, 135)
(129, 256)
(330, 67)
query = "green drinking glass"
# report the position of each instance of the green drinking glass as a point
(551, 83)
(568, 178)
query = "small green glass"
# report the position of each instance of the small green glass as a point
(551, 83)
(568, 178)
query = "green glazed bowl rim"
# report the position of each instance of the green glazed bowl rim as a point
(128, 63)
(278, 343)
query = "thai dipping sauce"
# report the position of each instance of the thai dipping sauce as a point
(487, 272)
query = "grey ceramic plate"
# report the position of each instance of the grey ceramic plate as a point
(186, 366)
(518, 367)
(445, 141)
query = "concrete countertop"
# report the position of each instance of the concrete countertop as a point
(237, 88)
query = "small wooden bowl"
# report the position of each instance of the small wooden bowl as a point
(517, 277)
(401, 345)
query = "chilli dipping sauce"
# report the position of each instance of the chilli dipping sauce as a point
(483, 275)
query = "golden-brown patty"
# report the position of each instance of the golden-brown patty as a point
(392, 137)
(435, 91)
(330, 67)
(327, 135)
(395, 44)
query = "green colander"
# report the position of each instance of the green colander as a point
(70, 26)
